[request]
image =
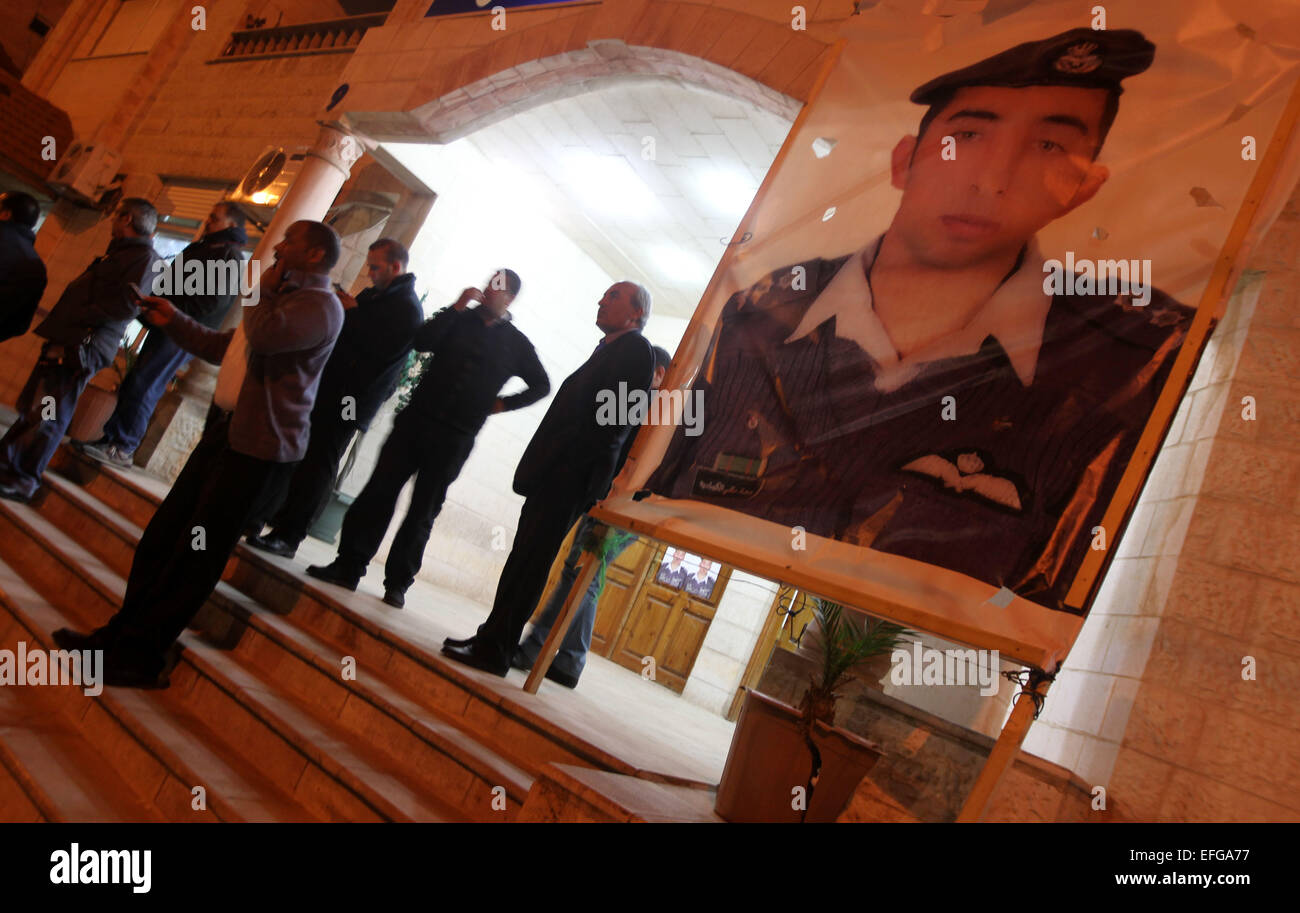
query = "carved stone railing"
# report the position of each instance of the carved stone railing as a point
(337, 36)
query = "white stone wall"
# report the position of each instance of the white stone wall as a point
(730, 641)
(1089, 704)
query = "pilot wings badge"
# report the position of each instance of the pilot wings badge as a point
(967, 475)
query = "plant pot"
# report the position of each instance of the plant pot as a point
(94, 408)
(769, 759)
(326, 526)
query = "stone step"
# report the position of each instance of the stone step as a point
(158, 746)
(461, 697)
(330, 771)
(447, 760)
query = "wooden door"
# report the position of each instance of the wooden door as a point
(639, 616)
(662, 620)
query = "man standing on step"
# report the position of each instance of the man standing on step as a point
(567, 466)
(475, 351)
(160, 358)
(83, 332)
(22, 274)
(571, 658)
(378, 329)
(256, 433)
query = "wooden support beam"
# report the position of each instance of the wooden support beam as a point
(1005, 751)
(587, 566)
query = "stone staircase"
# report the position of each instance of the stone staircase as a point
(262, 721)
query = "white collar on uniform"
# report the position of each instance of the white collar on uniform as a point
(1015, 315)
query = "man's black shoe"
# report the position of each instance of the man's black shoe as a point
(562, 678)
(68, 639)
(395, 598)
(273, 544)
(13, 493)
(453, 642)
(520, 661)
(330, 573)
(470, 656)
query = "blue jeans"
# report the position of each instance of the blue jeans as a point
(45, 409)
(571, 658)
(144, 385)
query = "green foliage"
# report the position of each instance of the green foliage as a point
(845, 644)
(416, 364)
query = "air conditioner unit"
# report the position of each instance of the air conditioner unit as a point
(262, 188)
(85, 171)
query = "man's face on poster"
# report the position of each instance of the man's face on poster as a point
(1019, 159)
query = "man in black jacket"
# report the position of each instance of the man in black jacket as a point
(378, 329)
(567, 466)
(571, 658)
(84, 330)
(22, 274)
(160, 357)
(475, 351)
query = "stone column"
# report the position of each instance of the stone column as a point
(178, 421)
(328, 164)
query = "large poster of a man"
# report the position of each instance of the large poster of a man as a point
(951, 354)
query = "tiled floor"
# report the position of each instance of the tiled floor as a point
(613, 708)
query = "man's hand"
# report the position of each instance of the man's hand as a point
(345, 299)
(272, 276)
(470, 294)
(155, 311)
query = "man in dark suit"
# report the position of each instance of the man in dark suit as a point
(22, 274)
(571, 658)
(475, 352)
(926, 395)
(207, 301)
(83, 332)
(567, 466)
(378, 330)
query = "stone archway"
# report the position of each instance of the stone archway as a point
(537, 82)
(422, 79)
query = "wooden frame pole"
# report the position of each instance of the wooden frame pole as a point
(587, 566)
(1005, 750)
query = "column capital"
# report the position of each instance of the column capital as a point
(336, 146)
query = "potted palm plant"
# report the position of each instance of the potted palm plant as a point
(790, 764)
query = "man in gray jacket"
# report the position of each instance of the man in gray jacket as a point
(83, 331)
(287, 337)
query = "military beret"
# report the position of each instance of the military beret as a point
(1083, 57)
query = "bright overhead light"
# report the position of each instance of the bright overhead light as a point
(726, 191)
(679, 265)
(609, 185)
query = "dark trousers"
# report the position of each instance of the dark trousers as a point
(434, 454)
(45, 407)
(186, 545)
(543, 523)
(572, 656)
(143, 386)
(294, 507)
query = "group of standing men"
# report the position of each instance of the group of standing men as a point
(305, 368)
